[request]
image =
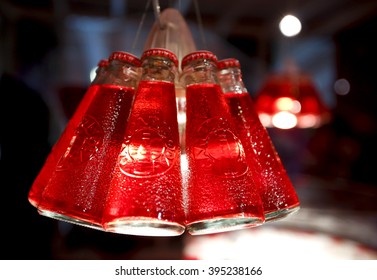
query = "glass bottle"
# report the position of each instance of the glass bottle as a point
(221, 195)
(277, 192)
(145, 197)
(77, 179)
(48, 168)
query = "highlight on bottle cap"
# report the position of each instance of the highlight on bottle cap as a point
(103, 63)
(198, 55)
(125, 56)
(160, 52)
(227, 63)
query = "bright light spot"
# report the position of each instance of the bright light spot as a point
(184, 162)
(93, 73)
(140, 153)
(290, 26)
(292, 244)
(284, 120)
(342, 87)
(296, 108)
(181, 117)
(265, 120)
(288, 104)
(308, 121)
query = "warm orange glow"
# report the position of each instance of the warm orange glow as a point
(288, 104)
(309, 120)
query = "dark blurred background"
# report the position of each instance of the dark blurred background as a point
(49, 48)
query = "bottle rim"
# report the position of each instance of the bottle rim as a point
(162, 53)
(125, 56)
(227, 63)
(202, 54)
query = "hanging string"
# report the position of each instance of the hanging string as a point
(140, 26)
(200, 23)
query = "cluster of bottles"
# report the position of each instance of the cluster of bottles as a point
(126, 164)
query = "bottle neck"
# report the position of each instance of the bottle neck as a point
(100, 73)
(201, 71)
(158, 69)
(230, 80)
(119, 73)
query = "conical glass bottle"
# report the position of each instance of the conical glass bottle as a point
(145, 197)
(278, 194)
(48, 168)
(77, 179)
(221, 195)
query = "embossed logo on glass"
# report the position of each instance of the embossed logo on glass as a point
(148, 151)
(85, 143)
(219, 149)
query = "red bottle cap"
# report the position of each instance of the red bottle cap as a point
(125, 56)
(160, 52)
(228, 62)
(103, 63)
(198, 55)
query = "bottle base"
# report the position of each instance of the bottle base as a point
(144, 226)
(223, 224)
(281, 213)
(72, 220)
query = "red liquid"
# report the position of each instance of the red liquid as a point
(277, 192)
(220, 184)
(147, 184)
(58, 149)
(78, 186)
